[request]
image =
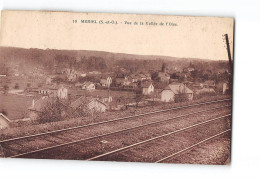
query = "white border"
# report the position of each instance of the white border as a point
(246, 120)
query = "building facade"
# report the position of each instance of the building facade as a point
(173, 90)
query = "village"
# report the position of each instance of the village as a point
(71, 93)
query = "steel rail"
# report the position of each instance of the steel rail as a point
(108, 121)
(155, 138)
(110, 133)
(192, 146)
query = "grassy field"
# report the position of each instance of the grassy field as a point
(16, 106)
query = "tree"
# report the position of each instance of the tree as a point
(174, 76)
(4, 70)
(155, 76)
(6, 87)
(138, 97)
(28, 85)
(163, 67)
(52, 112)
(195, 74)
(182, 97)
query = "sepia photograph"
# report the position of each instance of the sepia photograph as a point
(116, 87)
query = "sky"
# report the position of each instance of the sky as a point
(175, 36)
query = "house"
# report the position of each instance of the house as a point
(209, 83)
(147, 88)
(51, 92)
(4, 121)
(108, 99)
(15, 91)
(163, 76)
(148, 76)
(94, 72)
(142, 77)
(188, 69)
(133, 78)
(54, 91)
(131, 86)
(83, 74)
(89, 86)
(225, 88)
(222, 87)
(145, 76)
(120, 82)
(79, 85)
(44, 91)
(106, 81)
(62, 93)
(175, 89)
(127, 81)
(89, 103)
(205, 90)
(197, 85)
(158, 88)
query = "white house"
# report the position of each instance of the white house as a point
(108, 99)
(172, 90)
(62, 93)
(147, 88)
(89, 86)
(83, 74)
(225, 88)
(106, 81)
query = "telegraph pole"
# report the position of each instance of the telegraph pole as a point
(230, 62)
(229, 53)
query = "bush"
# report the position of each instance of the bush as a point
(16, 86)
(53, 111)
(184, 97)
(205, 94)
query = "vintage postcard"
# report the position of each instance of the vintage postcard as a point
(116, 87)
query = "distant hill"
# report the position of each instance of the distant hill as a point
(51, 53)
(87, 60)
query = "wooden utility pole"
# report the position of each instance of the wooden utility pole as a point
(229, 54)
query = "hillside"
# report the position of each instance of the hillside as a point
(86, 60)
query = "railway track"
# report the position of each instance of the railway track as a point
(20, 149)
(171, 156)
(113, 120)
(154, 139)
